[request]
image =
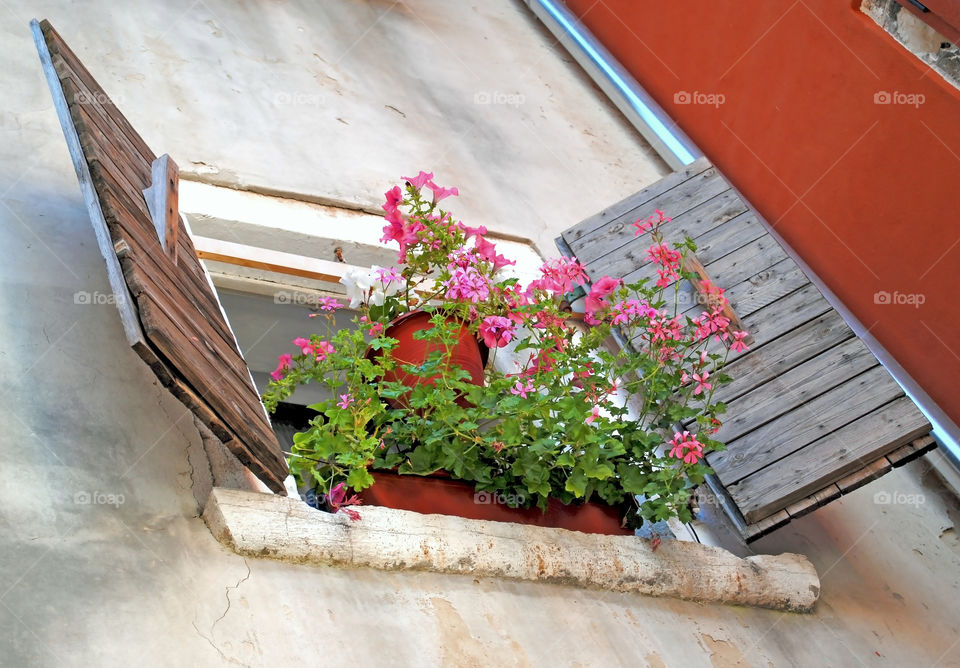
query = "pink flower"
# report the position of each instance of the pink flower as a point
(594, 414)
(473, 231)
(666, 276)
(285, 362)
(397, 230)
(702, 384)
(521, 389)
(711, 322)
(322, 349)
(595, 299)
(467, 285)
(497, 331)
(303, 344)
(560, 275)
(389, 275)
(394, 198)
(337, 499)
(664, 256)
(329, 304)
(686, 447)
(642, 227)
(375, 329)
(665, 329)
(738, 345)
(419, 180)
(441, 193)
(345, 401)
(631, 309)
(488, 251)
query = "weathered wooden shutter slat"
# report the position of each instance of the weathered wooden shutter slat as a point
(812, 414)
(574, 236)
(176, 325)
(808, 469)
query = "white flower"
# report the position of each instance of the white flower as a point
(367, 287)
(358, 283)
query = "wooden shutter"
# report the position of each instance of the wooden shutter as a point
(170, 312)
(811, 412)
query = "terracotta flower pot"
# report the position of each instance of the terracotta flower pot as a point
(469, 353)
(441, 495)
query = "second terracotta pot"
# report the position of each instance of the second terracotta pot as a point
(469, 353)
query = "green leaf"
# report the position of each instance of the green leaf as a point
(577, 483)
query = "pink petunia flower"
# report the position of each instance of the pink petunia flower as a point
(441, 193)
(419, 180)
(473, 231)
(497, 331)
(322, 349)
(394, 197)
(595, 299)
(286, 361)
(304, 345)
(488, 251)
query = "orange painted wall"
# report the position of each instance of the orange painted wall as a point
(867, 194)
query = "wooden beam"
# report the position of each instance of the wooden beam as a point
(162, 202)
(271, 260)
(692, 263)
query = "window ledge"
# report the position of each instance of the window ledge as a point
(285, 528)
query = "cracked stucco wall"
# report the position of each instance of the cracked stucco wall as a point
(103, 558)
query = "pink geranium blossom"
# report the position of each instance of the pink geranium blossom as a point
(594, 414)
(345, 401)
(285, 362)
(702, 384)
(560, 275)
(337, 500)
(467, 285)
(738, 345)
(329, 304)
(686, 447)
(521, 389)
(497, 331)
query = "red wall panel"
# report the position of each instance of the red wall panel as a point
(867, 193)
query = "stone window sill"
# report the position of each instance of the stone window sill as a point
(285, 528)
